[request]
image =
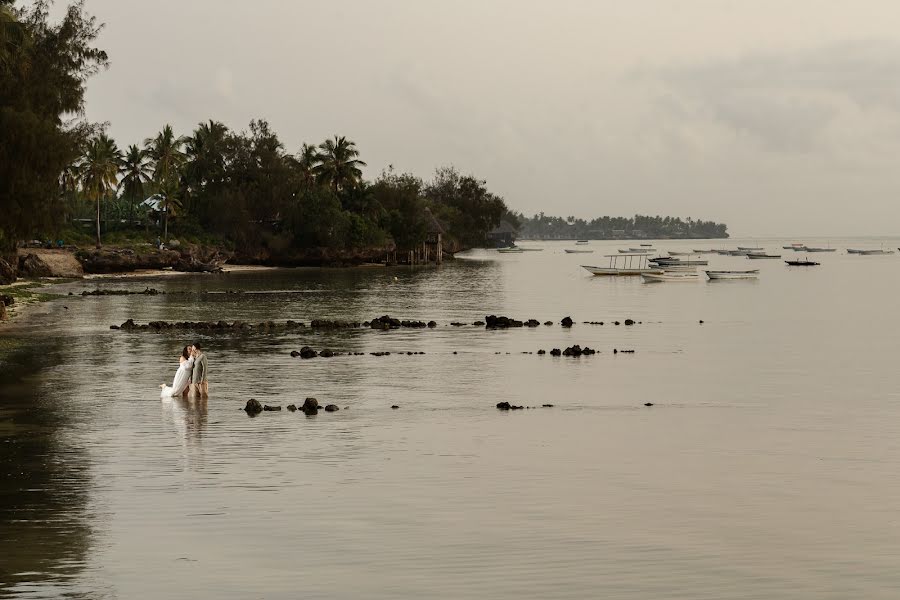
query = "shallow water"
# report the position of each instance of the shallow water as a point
(767, 467)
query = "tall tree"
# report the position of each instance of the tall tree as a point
(135, 171)
(166, 152)
(43, 70)
(307, 159)
(337, 163)
(99, 171)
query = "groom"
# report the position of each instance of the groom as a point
(199, 382)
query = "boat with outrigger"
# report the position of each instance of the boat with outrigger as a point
(624, 265)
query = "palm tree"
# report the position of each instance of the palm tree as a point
(170, 205)
(69, 182)
(99, 168)
(165, 150)
(307, 159)
(337, 164)
(135, 171)
(205, 153)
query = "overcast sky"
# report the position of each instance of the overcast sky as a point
(777, 117)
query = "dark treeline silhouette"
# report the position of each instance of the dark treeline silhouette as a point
(541, 226)
(243, 189)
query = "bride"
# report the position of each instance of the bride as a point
(182, 376)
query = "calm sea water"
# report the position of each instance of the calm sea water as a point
(767, 467)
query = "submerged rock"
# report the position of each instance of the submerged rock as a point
(495, 322)
(331, 408)
(253, 407)
(629, 321)
(306, 352)
(310, 406)
(271, 408)
(292, 407)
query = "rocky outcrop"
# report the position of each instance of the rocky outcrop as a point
(48, 263)
(253, 407)
(310, 406)
(188, 258)
(495, 322)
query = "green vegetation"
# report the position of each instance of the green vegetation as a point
(607, 228)
(244, 188)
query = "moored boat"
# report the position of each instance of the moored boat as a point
(661, 277)
(756, 256)
(624, 265)
(748, 249)
(581, 242)
(570, 251)
(854, 251)
(513, 250)
(875, 252)
(803, 262)
(746, 274)
(814, 249)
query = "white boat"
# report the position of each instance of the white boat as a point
(808, 249)
(673, 253)
(875, 252)
(661, 277)
(624, 264)
(748, 274)
(852, 251)
(755, 256)
(569, 251)
(633, 251)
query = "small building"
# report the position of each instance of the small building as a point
(502, 236)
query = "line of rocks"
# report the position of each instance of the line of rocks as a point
(309, 407)
(508, 406)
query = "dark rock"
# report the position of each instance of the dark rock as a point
(295, 354)
(548, 323)
(306, 352)
(701, 322)
(566, 322)
(548, 406)
(310, 406)
(385, 322)
(326, 353)
(331, 408)
(504, 406)
(253, 407)
(8, 272)
(532, 323)
(395, 407)
(648, 404)
(556, 352)
(616, 323)
(271, 408)
(457, 324)
(495, 322)
(292, 407)
(516, 407)
(542, 352)
(432, 324)
(629, 322)
(114, 327)
(478, 323)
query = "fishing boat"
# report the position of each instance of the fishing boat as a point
(756, 249)
(679, 261)
(512, 250)
(737, 253)
(644, 249)
(796, 247)
(570, 251)
(647, 245)
(803, 262)
(624, 264)
(875, 252)
(696, 251)
(525, 249)
(757, 256)
(661, 277)
(633, 251)
(673, 253)
(853, 251)
(814, 249)
(582, 242)
(747, 274)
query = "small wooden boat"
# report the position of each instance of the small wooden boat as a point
(802, 263)
(757, 249)
(747, 274)
(526, 249)
(853, 251)
(646, 249)
(704, 251)
(875, 252)
(623, 265)
(808, 249)
(755, 256)
(661, 277)
(647, 245)
(582, 242)
(510, 250)
(569, 251)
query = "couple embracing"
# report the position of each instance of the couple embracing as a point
(190, 378)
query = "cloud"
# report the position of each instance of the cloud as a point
(799, 102)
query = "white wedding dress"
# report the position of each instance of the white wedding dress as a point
(181, 381)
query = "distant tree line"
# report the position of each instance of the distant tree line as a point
(243, 187)
(541, 226)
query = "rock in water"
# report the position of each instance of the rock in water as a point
(294, 354)
(271, 408)
(307, 352)
(331, 408)
(503, 406)
(566, 322)
(629, 321)
(310, 406)
(253, 407)
(395, 407)
(292, 407)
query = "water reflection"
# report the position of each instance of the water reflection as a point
(45, 534)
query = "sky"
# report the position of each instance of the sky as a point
(777, 118)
